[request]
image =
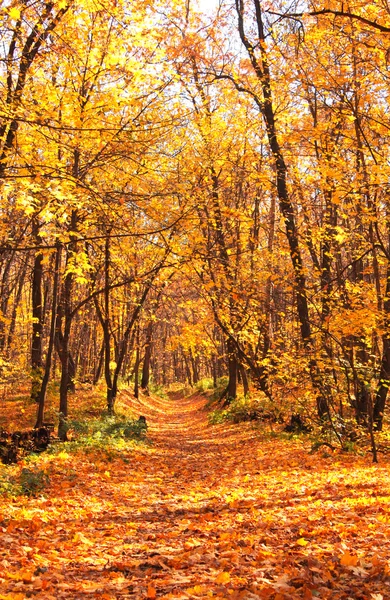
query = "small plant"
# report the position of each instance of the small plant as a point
(244, 409)
(7, 486)
(216, 417)
(340, 432)
(30, 482)
(157, 390)
(33, 481)
(204, 385)
(106, 428)
(220, 389)
(77, 426)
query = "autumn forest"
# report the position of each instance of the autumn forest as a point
(194, 271)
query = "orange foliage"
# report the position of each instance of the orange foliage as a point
(200, 512)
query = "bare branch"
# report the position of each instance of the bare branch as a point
(336, 13)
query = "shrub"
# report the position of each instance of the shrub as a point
(158, 390)
(30, 482)
(247, 409)
(204, 384)
(33, 481)
(7, 487)
(221, 386)
(117, 427)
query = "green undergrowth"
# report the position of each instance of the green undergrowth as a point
(105, 430)
(204, 385)
(109, 438)
(245, 408)
(158, 390)
(31, 481)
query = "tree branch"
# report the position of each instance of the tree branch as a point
(336, 13)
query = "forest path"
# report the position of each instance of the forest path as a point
(225, 511)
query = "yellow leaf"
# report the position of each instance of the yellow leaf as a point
(14, 13)
(223, 577)
(302, 542)
(197, 590)
(82, 539)
(348, 560)
(63, 456)
(22, 575)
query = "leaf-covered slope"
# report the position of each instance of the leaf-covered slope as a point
(201, 512)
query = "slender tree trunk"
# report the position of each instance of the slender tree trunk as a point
(195, 372)
(147, 358)
(67, 362)
(124, 343)
(37, 325)
(261, 68)
(188, 370)
(99, 369)
(384, 374)
(4, 299)
(137, 362)
(231, 391)
(11, 331)
(46, 376)
(106, 329)
(244, 379)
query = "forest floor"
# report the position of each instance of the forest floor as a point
(199, 511)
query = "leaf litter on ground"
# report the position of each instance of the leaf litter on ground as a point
(199, 512)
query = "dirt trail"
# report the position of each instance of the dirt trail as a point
(201, 512)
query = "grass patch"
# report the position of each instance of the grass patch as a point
(245, 408)
(29, 482)
(107, 428)
(204, 385)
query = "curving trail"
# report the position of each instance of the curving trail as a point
(201, 512)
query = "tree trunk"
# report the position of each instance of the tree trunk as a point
(147, 358)
(37, 325)
(266, 107)
(11, 331)
(244, 378)
(384, 374)
(46, 376)
(231, 392)
(136, 367)
(99, 368)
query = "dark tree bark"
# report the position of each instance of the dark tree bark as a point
(99, 368)
(11, 331)
(5, 297)
(63, 337)
(244, 379)
(261, 68)
(46, 375)
(37, 326)
(384, 374)
(231, 390)
(137, 363)
(147, 358)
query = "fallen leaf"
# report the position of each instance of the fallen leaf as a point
(348, 560)
(302, 542)
(223, 577)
